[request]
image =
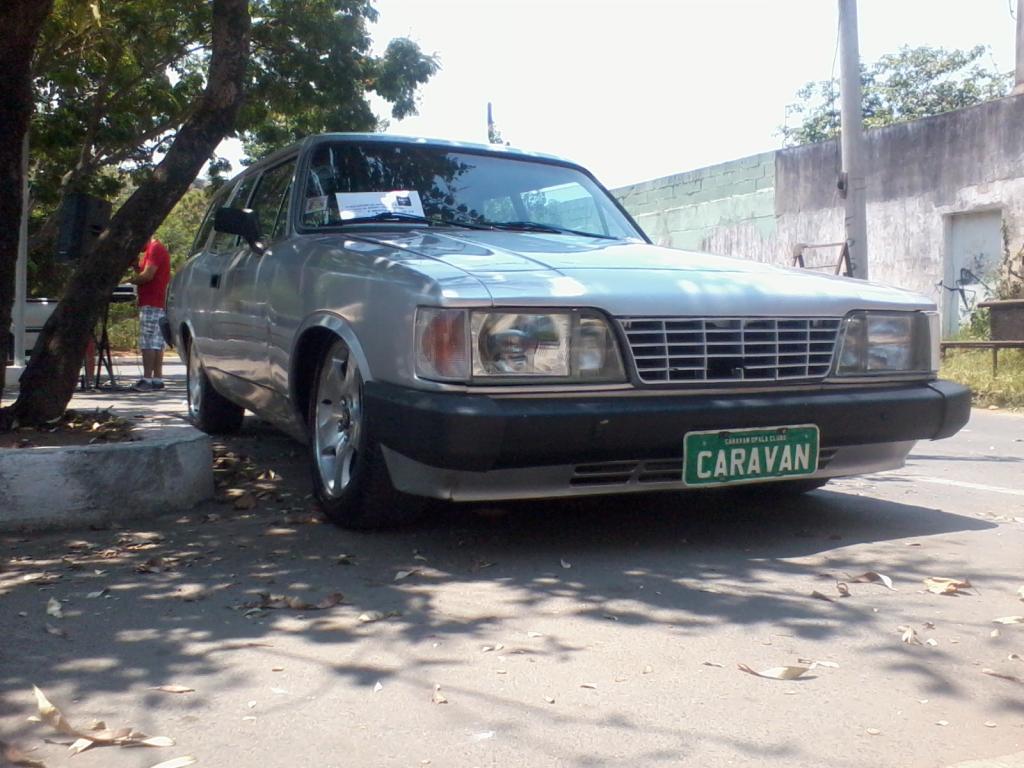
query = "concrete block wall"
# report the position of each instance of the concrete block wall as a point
(731, 203)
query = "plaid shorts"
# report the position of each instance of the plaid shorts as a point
(149, 328)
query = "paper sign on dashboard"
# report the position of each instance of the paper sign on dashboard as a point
(356, 205)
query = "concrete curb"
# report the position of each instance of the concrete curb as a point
(169, 469)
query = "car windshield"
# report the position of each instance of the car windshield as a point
(349, 182)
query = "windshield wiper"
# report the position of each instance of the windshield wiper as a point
(536, 226)
(387, 216)
(412, 218)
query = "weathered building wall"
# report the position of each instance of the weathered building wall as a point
(924, 177)
(920, 175)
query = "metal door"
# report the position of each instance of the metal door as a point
(972, 265)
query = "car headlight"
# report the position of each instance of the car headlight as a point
(878, 343)
(566, 346)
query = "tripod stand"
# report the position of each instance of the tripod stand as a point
(98, 357)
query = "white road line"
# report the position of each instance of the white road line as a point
(973, 486)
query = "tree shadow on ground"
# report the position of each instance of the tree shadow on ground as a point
(180, 597)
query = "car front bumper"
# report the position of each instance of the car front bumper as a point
(465, 446)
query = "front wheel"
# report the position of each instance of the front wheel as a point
(350, 476)
(208, 409)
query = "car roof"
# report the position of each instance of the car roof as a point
(388, 138)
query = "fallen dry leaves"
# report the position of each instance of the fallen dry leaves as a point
(874, 576)
(245, 501)
(11, 754)
(1002, 675)
(268, 602)
(178, 762)
(53, 609)
(99, 736)
(172, 688)
(940, 585)
(908, 634)
(775, 673)
(812, 664)
(158, 565)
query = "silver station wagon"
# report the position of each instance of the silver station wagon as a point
(463, 322)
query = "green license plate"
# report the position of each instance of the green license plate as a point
(723, 457)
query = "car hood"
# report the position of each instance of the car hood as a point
(635, 278)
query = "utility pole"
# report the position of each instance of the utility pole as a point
(1019, 87)
(21, 268)
(853, 182)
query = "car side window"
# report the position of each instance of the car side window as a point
(270, 197)
(281, 225)
(204, 230)
(223, 242)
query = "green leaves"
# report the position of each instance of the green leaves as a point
(313, 69)
(114, 81)
(907, 85)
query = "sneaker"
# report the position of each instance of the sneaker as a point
(143, 385)
(156, 383)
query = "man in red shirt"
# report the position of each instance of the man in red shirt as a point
(154, 275)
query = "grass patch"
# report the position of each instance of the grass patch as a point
(973, 368)
(123, 328)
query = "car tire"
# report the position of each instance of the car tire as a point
(350, 476)
(208, 409)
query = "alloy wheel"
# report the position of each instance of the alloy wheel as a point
(338, 420)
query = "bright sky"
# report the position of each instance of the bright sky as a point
(637, 89)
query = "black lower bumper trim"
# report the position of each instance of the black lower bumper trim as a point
(479, 433)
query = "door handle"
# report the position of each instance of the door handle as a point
(215, 281)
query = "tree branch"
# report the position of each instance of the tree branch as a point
(49, 380)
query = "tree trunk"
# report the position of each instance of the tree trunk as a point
(49, 380)
(21, 21)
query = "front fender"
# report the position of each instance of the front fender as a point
(298, 365)
(342, 328)
(178, 333)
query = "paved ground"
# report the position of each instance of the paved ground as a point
(590, 633)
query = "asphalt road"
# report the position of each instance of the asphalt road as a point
(588, 633)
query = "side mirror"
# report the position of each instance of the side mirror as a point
(239, 221)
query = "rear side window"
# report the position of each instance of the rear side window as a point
(223, 242)
(270, 197)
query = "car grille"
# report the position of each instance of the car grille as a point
(648, 472)
(715, 349)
